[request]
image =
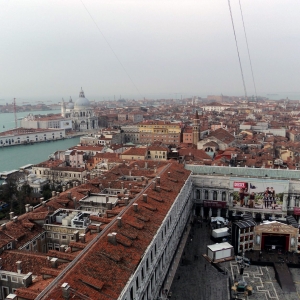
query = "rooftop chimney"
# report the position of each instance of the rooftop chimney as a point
(158, 180)
(82, 237)
(112, 238)
(135, 207)
(57, 194)
(41, 199)
(64, 188)
(30, 208)
(19, 266)
(106, 199)
(146, 165)
(15, 219)
(3, 226)
(169, 174)
(11, 215)
(158, 188)
(119, 221)
(145, 197)
(122, 185)
(98, 228)
(65, 291)
(53, 193)
(27, 207)
(53, 262)
(154, 185)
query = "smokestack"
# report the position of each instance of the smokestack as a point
(135, 207)
(145, 197)
(119, 221)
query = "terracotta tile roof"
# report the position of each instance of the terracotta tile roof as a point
(104, 270)
(31, 261)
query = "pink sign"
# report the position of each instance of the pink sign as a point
(297, 211)
(240, 185)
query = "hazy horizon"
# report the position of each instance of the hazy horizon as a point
(153, 49)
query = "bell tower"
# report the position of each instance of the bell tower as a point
(196, 129)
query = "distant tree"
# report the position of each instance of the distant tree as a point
(47, 192)
(24, 195)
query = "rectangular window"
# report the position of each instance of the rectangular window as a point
(3, 277)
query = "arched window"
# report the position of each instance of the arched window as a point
(206, 194)
(215, 195)
(223, 196)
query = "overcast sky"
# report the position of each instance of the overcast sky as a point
(146, 48)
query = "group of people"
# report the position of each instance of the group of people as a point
(269, 198)
(247, 199)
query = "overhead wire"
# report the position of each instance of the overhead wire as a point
(237, 49)
(248, 50)
(111, 48)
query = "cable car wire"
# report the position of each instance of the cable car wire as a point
(248, 50)
(237, 49)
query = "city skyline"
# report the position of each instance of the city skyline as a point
(151, 49)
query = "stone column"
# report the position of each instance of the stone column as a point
(292, 202)
(284, 208)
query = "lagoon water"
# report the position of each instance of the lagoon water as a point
(13, 157)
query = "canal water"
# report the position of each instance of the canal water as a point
(13, 157)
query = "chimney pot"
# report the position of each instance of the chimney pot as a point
(41, 199)
(135, 207)
(53, 193)
(158, 188)
(15, 219)
(3, 226)
(30, 208)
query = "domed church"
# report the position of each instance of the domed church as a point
(80, 112)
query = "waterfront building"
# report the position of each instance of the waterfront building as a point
(21, 136)
(80, 113)
(46, 122)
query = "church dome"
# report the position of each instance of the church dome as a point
(82, 102)
(70, 104)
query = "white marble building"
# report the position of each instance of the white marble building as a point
(80, 113)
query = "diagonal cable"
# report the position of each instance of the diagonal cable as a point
(110, 47)
(237, 49)
(248, 50)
